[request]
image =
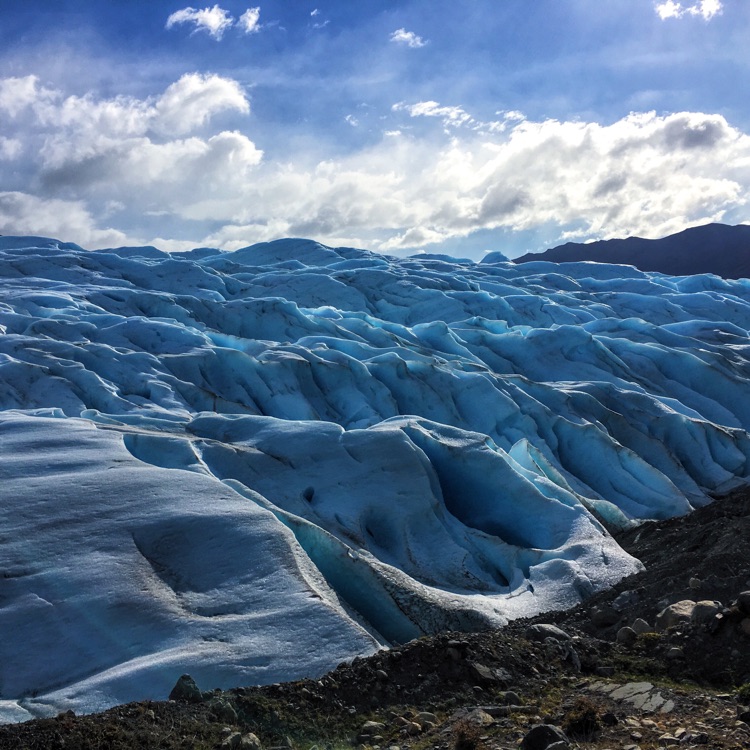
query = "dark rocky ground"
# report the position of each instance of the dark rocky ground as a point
(602, 682)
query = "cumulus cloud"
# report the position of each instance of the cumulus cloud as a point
(189, 167)
(409, 38)
(21, 214)
(248, 21)
(413, 238)
(706, 9)
(215, 21)
(18, 94)
(140, 152)
(194, 99)
(644, 174)
(123, 158)
(184, 106)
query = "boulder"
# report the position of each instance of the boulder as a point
(484, 674)
(242, 741)
(705, 611)
(425, 717)
(604, 616)
(641, 626)
(678, 613)
(541, 736)
(743, 602)
(413, 728)
(668, 740)
(543, 631)
(223, 710)
(626, 636)
(250, 741)
(372, 727)
(480, 718)
(186, 691)
(509, 698)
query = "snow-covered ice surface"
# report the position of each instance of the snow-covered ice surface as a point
(251, 466)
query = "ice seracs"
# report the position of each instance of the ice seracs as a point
(250, 466)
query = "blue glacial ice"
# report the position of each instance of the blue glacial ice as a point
(250, 466)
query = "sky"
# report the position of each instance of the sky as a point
(401, 126)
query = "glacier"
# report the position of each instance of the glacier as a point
(253, 465)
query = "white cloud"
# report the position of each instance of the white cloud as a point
(451, 116)
(248, 21)
(188, 169)
(214, 20)
(511, 115)
(135, 151)
(352, 120)
(414, 237)
(318, 24)
(645, 174)
(668, 9)
(17, 94)
(194, 99)
(409, 38)
(22, 214)
(458, 117)
(175, 176)
(10, 148)
(707, 9)
(184, 106)
(123, 158)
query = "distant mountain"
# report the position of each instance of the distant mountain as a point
(713, 248)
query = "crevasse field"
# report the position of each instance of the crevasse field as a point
(251, 466)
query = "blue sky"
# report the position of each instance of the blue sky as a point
(419, 125)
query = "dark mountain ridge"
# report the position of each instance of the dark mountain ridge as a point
(713, 248)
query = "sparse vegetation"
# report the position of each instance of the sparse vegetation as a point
(650, 639)
(467, 736)
(582, 722)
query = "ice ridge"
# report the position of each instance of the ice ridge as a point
(252, 465)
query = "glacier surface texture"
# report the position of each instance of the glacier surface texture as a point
(251, 466)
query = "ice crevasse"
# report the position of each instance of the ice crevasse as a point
(253, 465)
